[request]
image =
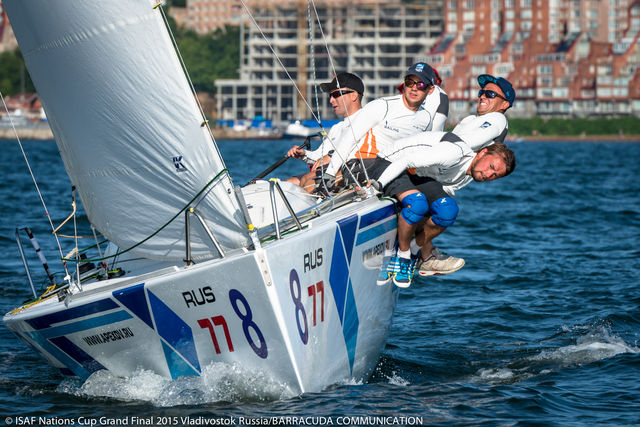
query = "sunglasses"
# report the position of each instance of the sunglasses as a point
(339, 93)
(418, 85)
(490, 94)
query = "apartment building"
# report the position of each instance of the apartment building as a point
(377, 41)
(565, 57)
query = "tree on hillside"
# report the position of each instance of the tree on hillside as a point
(209, 57)
(12, 73)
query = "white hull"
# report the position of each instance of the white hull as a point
(304, 310)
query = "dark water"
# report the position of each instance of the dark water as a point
(540, 327)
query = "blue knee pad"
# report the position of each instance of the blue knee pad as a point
(444, 211)
(415, 207)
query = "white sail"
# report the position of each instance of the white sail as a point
(126, 123)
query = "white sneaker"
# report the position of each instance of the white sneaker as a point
(439, 263)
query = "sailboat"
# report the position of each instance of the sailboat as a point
(197, 271)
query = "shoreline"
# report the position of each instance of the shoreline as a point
(574, 138)
(41, 133)
(44, 133)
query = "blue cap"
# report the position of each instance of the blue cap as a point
(502, 83)
(424, 71)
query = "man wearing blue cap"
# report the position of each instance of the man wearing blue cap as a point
(429, 188)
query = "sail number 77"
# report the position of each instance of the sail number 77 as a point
(237, 299)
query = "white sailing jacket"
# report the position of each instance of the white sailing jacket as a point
(333, 138)
(481, 131)
(430, 156)
(380, 123)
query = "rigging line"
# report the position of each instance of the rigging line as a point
(313, 58)
(348, 118)
(75, 232)
(205, 122)
(35, 183)
(264, 37)
(223, 171)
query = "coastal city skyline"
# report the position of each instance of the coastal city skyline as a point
(566, 58)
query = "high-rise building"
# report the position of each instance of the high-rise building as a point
(377, 41)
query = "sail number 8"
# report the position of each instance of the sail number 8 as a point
(316, 291)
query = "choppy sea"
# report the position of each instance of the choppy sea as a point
(541, 327)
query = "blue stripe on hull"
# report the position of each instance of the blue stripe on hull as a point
(350, 325)
(72, 313)
(378, 215)
(83, 325)
(177, 365)
(135, 300)
(339, 278)
(76, 353)
(174, 331)
(54, 340)
(377, 231)
(339, 275)
(61, 356)
(340, 282)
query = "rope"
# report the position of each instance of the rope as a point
(313, 59)
(33, 178)
(161, 228)
(73, 212)
(335, 75)
(281, 64)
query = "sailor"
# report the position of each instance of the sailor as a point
(424, 192)
(345, 96)
(379, 124)
(436, 102)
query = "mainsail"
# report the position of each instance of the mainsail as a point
(127, 125)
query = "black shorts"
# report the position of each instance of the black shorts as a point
(353, 169)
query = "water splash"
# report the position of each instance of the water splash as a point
(596, 343)
(218, 382)
(395, 379)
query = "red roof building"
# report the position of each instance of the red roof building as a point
(564, 57)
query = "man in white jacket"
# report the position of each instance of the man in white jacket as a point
(345, 96)
(380, 123)
(426, 189)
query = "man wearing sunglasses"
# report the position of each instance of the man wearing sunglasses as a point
(427, 191)
(436, 102)
(345, 96)
(380, 123)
